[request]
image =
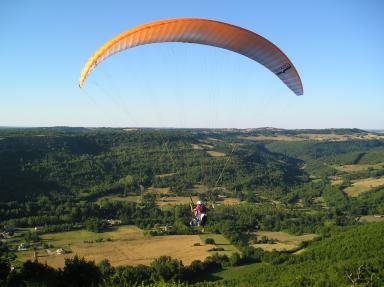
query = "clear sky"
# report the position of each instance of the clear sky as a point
(337, 47)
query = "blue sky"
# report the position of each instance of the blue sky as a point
(336, 46)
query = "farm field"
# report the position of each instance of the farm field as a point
(168, 200)
(351, 168)
(159, 190)
(237, 272)
(340, 137)
(371, 218)
(202, 146)
(165, 175)
(271, 138)
(127, 245)
(285, 241)
(176, 200)
(363, 185)
(129, 198)
(314, 137)
(214, 153)
(198, 188)
(220, 241)
(163, 201)
(335, 180)
(230, 201)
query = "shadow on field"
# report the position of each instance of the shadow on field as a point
(208, 277)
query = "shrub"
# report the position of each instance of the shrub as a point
(209, 241)
(216, 249)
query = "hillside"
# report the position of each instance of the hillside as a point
(79, 189)
(332, 261)
(97, 161)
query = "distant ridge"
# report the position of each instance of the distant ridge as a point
(247, 130)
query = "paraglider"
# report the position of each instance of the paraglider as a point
(199, 214)
(205, 32)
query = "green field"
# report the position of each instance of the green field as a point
(284, 240)
(372, 218)
(234, 273)
(110, 198)
(220, 241)
(214, 153)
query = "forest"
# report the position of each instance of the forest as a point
(324, 182)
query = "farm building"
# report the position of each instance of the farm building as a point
(112, 222)
(60, 251)
(23, 247)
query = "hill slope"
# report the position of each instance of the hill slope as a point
(327, 262)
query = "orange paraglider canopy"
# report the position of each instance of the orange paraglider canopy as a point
(206, 32)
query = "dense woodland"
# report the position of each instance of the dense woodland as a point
(53, 178)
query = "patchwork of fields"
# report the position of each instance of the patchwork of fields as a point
(166, 198)
(315, 137)
(284, 241)
(126, 245)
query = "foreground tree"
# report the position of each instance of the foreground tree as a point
(5, 268)
(167, 269)
(79, 272)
